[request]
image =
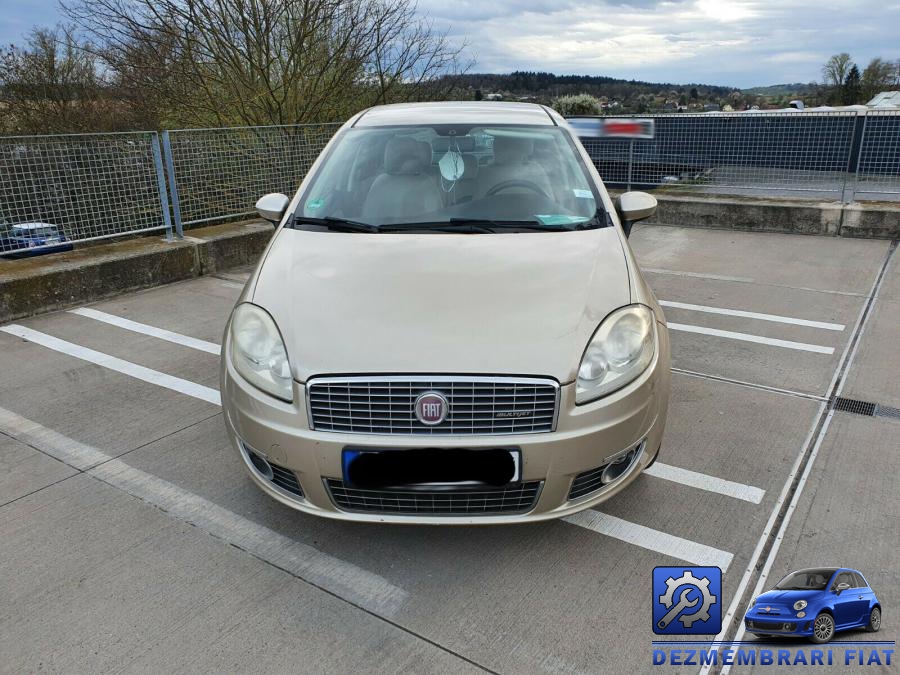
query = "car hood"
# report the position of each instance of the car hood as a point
(776, 597)
(511, 304)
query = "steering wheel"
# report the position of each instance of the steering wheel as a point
(527, 184)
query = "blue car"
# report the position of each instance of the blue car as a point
(815, 603)
(27, 239)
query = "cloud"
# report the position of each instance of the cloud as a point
(736, 42)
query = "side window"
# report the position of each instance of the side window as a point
(842, 578)
(860, 582)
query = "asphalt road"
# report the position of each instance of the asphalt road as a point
(131, 539)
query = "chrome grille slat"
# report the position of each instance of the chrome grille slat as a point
(385, 405)
(511, 499)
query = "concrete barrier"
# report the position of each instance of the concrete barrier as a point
(45, 283)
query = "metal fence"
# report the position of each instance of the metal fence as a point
(217, 174)
(86, 186)
(93, 186)
(810, 154)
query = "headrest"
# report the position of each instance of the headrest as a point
(402, 155)
(470, 166)
(426, 153)
(511, 150)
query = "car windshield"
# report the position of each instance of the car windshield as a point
(451, 178)
(806, 580)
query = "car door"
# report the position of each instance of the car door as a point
(865, 598)
(845, 602)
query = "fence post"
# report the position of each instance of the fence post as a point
(859, 154)
(161, 184)
(173, 184)
(630, 161)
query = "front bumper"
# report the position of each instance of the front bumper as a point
(785, 623)
(586, 437)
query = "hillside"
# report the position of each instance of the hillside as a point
(621, 95)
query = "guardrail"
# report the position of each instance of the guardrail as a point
(93, 186)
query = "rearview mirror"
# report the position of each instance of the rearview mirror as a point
(272, 206)
(635, 206)
(842, 587)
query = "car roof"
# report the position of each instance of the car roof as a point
(34, 226)
(455, 112)
(830, 570)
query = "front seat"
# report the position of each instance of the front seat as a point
(405, 190)
(511, 163)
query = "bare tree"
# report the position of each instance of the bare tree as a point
(267, 61)
(52, 85)
(878, 76)
(836, 68)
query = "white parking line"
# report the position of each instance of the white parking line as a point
(702, 481)
(207, 394)
(747, 337)
(161, 333)
(344, 579)
(752, 315)
(696, 275)
(650, 539)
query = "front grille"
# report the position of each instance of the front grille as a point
(476, 405)
(486, 501)
(286, 479)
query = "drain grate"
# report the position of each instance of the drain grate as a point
(866, 408)
(887, 411)
(852, 405)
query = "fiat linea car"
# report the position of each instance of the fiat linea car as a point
(815, 603)
(448, 326)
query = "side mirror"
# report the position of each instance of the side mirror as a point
(842, 587)
(272, 206)
(635, 206)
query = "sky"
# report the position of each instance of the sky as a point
(740, 43)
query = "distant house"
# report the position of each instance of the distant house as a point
(711, 107)
(886, 99)
(494, 97)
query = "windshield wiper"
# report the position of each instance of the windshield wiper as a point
(337, 224)
(473, 225)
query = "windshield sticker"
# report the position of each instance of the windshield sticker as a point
(559, 219)
(452, 165)
(315, 204)
(583, 194)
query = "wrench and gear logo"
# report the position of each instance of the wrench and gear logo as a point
(683, 598)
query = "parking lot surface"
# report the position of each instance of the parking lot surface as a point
(131, 538)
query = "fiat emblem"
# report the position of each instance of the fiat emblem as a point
(768, 609)
(431, 408)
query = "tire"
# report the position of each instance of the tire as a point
(823, 628)
(874, 620)
(655, 457)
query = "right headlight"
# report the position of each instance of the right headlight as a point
(620, 350)
(258, 353)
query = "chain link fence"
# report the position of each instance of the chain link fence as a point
(55, 190)
(878, 162)
(216, 174)
(58, 189)
(809, 154)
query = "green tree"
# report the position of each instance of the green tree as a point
(851, 91)
(834, 73)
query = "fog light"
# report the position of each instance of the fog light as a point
(618, 467)
(800, 615)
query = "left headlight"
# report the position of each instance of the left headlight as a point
(258, 353)
(620, 350)
(800, 604)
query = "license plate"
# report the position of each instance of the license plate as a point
(374, 468)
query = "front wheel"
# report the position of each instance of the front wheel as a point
(874, 620)
(823, 629)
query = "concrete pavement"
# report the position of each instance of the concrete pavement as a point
(130, 538)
